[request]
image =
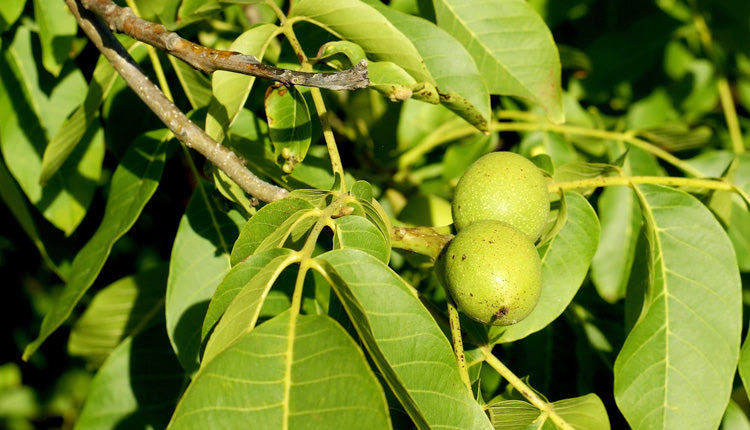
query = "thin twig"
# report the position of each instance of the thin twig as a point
(184, 129)
(730, 114)
(123, 20)
(524, 389)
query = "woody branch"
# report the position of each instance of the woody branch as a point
(123, 20)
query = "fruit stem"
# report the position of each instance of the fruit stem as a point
(524, 389)
(458, 344)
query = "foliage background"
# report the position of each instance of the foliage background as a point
(631, 63)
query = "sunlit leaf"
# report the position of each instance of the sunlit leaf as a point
(230, 90)
(263, 223)
(237, 278)
(30, 114)
(403, 340)
(74, 128)
(10, 11)
(457, 78)
(360, 23)
(359, 233)
(286, 380)
(121, 309)
(585, 412)
(57, 28)
(512, 47)
(250, 283)
(677, 365)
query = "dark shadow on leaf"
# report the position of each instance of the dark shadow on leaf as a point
(156, 380)
(187, 335)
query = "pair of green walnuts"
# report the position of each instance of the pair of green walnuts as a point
(492, 268)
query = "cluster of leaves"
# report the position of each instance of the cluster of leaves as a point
(321, 309)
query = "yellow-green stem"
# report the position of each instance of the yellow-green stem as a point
(333, 151)
(629, 180)
(528, 122)
(458, 344)
(320, 107)
(444, 133)
(524, 389)
(730, 115)
(275, 8)
(628, 137)
(299, 285)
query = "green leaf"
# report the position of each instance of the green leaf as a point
(74, 128)
(377, 215)
(29, 114)
(457, 78)
(359, 233)
(677, 365)
(386, 77)
(288, 125)
(403, 340)
(133, 184)
(585, 412)
(137, 387)
(513, 415)
(57, 29)
(14, 199)
(266, 221)
(230, 90)
(237, 278)
(120, 310)
(362, 190)
(620, 217)
(10, 11)
(250, 282)
(249, 139)
(291, 384)
(199, 261)
(195, 84)
(565, 263)
(512, 47)
(734, 418)
(362, 24)
(426, 210)
(420, 123)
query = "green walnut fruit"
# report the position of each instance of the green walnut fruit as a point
(502, 186)
(493, 272)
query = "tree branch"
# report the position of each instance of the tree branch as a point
(123, 20)
(184, 129)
